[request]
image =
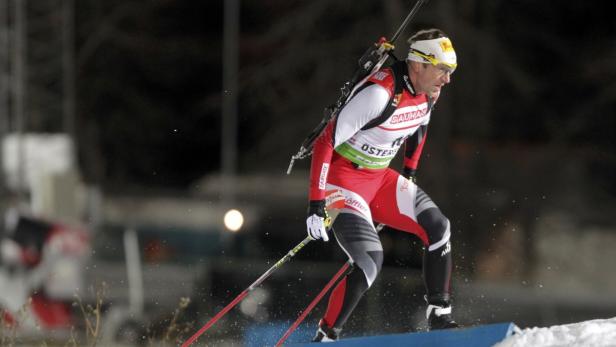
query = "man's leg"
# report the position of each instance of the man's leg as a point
(404, 206)
(437, 266)
(357, 237)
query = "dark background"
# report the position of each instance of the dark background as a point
(149, 92)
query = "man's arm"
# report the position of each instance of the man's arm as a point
(412, 151)
(364, 107)
(367, 105)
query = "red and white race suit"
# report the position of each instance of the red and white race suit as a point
(353, 159)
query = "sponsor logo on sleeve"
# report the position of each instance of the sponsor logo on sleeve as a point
(323, 176)
(380, 75)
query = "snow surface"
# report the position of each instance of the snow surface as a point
(593, 333)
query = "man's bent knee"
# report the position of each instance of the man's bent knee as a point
(437, 228)
(370, 264)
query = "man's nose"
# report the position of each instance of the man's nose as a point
(446, 78)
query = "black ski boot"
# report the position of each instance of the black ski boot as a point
(325, 333)
(439, 317)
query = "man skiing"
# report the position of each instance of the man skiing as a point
(351, 157)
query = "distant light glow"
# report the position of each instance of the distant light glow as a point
(233, 220)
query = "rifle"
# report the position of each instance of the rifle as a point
(370, 62)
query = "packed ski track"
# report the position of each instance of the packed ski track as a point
(595, 333)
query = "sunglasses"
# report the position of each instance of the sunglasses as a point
(441, 65)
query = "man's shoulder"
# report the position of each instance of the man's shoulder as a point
(385, 78)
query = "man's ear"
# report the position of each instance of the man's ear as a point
(414, 66)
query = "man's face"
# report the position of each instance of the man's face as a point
(431, 78)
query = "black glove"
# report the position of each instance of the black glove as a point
(317, 207)
(410, 174)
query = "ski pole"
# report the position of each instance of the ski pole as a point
(314, 302)
(243, 294)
